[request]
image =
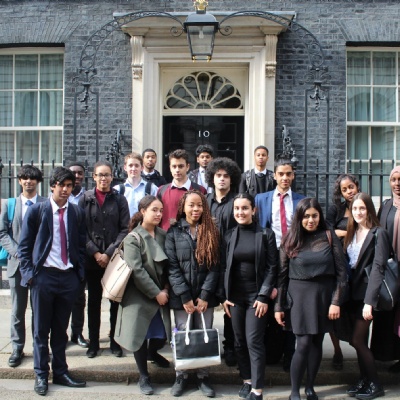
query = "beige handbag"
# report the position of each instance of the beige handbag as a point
(117, 274)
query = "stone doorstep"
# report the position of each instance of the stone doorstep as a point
(107, 368)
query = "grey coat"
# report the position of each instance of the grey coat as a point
(8, 242)
(149, 276)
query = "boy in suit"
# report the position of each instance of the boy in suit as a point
(275, 210)
(52, 253)
(28, 177)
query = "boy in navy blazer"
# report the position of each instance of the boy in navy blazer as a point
(52, 253)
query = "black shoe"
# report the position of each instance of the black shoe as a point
(145, 385)
(311, 395)
(370, 391)
(230, 357)
(159, 360)
(92, 351)
(244, 390)
(395, 368)
(353, 390)
(15, 358)
(79, 340)
(115, 348)
(67, 380)
(253, 396)
(205, 387)
(41, 386)
(179, 386)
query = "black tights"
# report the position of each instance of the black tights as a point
(308, 355)
(365, 358)
(141, 359)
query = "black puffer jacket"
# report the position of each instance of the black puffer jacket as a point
(106, 226)
(188, 280)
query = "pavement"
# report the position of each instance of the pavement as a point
(105, 370)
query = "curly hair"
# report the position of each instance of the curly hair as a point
(144, 204)
(337, 192)
(227, 165)
(207, 250)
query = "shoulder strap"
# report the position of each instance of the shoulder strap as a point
(248, 178)
(11, 209)
(163, 189)
(121, 188)
(147, 189)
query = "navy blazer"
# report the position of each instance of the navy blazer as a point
(37, 238)
(264, 206)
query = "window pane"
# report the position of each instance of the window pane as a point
(6, 72)
(51, 148)
(51, 71)
(384, 104)
(357, 142)
(7, 146)
(5, 108)
(384, 68)
(382, 143)
(359, 68)
(26, 71)
(26, 108)
(51, 107)
(358, 104)
(27, 146)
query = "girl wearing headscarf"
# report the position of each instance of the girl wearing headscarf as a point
(385, 343)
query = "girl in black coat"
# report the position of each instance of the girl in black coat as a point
(249, 262)
(192, 247)
(313, 277)
(366, 244)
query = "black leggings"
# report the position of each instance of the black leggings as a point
(365, 358)
(140, 355)
(308, 355)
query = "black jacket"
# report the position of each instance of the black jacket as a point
(188, 280)
(266, 263)
(375, 251)
(335, 214)
(106, 226)
(222, 212)
(248, 182)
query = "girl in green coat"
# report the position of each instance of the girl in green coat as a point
(143, 312)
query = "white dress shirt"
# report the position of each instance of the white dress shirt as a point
(276, 216)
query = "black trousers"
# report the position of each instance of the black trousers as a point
(95, 293)
(78, 311)
(53, 293)
(249, 343)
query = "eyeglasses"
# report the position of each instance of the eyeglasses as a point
(101, 176)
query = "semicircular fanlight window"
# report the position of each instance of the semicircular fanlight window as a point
(203, 90)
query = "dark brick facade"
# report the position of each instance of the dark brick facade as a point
(335, 23)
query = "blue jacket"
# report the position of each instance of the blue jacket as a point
(264, 206)
(37, 238)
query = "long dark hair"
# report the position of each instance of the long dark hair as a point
(372, 219)
(294, 239)
(207, 250)
(144, 204)
(337, 191)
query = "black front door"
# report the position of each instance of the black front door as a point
(224, 133)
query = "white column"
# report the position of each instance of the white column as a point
(137, 93)
(270, 87)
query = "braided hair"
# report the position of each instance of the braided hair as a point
(207, 250)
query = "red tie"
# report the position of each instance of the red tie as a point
(282, 213)
(63, 236)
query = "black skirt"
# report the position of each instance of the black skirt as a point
(311, 301)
